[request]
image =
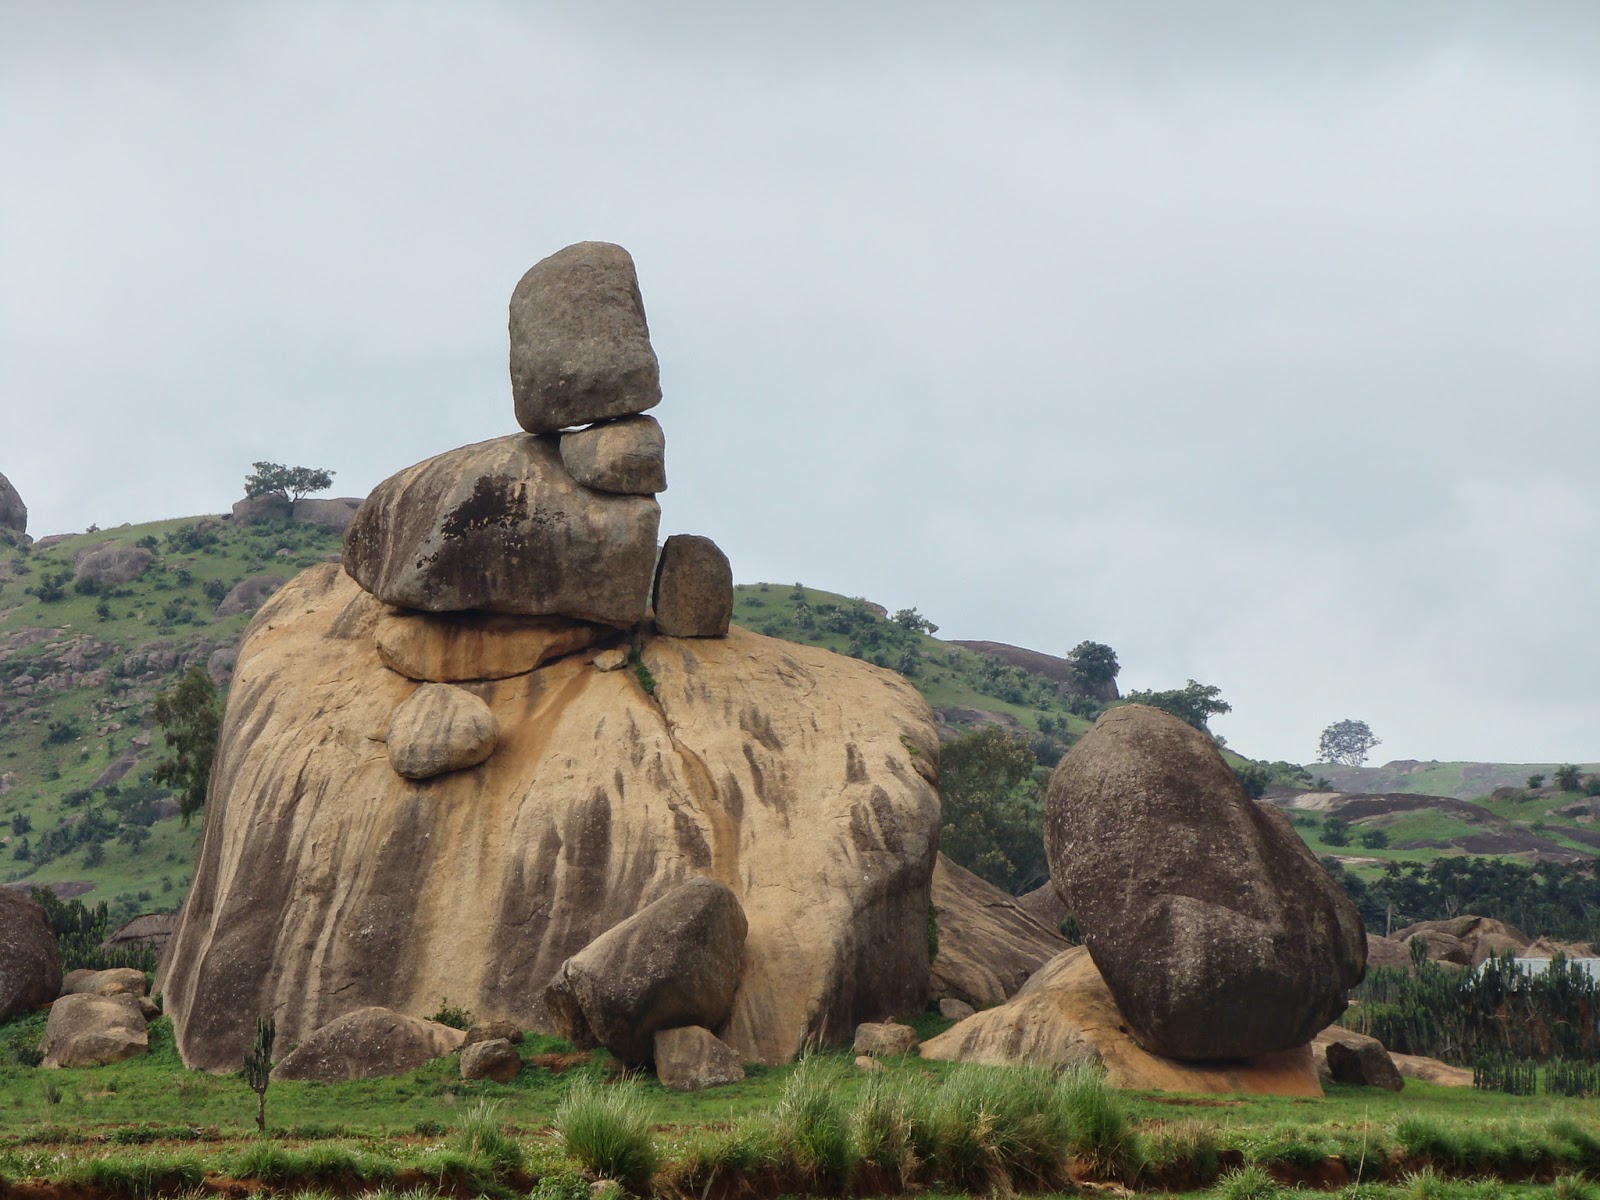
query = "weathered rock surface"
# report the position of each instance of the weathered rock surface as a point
(1044, 905)
(1466, 940)
(881, 1039)
(1363, 1063)
(440, 728)
(692, 1058)
(490, 1031)
(30, 960)
(674, 962)
(456, 647)
(118, 981)
(248, 594)
(13, 512)
(325, 882)
(1065, 1017)
(367, 1043)
(955, 1010)
(1546, 948)
(501, 526)
(262, 510)
(85, 1030)
(112, 566)
(1431, 1070)
(494, 1059)
(580, 347)
(1441, 947)
(988, 946)
(334, 514)
(1387, 952)
(148, 931)
(693, 594)
(627, 456)
(1215, 928)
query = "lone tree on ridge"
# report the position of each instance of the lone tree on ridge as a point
(1347, 743)
(292, 483)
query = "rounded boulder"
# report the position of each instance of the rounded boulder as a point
(694, 588)
(441, 728)
(1215, 928)
(30, 960)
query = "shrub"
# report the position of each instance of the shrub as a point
(1248, 1183)
(606, 1128)
(449, 1014)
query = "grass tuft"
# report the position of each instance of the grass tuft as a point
(606, 1128)
(1248, 1183)
(481, 1136)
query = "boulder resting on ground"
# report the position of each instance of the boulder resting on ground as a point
(112, 566)
(692, 1058)
(495, 1059)
(1345, 1056)
(30, 959)
(248, 594)
(368, 1043)
(85, 1030)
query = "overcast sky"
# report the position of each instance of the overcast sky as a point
(1258, 341)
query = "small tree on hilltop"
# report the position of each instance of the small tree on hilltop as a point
(190, 718)
(292, 483)
(910, 618)
(1346, 742)
(1195, 703)
(1093, 664)
(1569, 778)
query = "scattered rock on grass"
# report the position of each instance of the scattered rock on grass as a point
(85, 1030)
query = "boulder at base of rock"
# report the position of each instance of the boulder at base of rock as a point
(1364, 1065)
(495, 1059)
(13, 512)
(368, 1043)
(691, 1058)
(85, 1030)
(881, 1039)
(627, 456)
(580, 348)
(456, 647)
(501, 526)
(440, 728)
(30, 960)
(1431, 1070)
(268, 508)
(112, 566)
(1216, 929)
(1065, 1017)
(490, 1031)
(675, 962)
(988, 946)
(694, 588)
(118, 981)
(248, 594)
(328, 514)
(324, 881)
(955, 1010)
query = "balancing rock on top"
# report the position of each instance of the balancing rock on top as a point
(502, 527)
(627, 455)
(1216, 929)
(693, 594)
(580, 347)
(13, 512)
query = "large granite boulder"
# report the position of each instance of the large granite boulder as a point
(501, 526)
(265, 509)
(248, 594)
(692, 1058)
(674, 962)
(112, 566)
(988, 945)
(30, 960)
(335, 514)
(1065, 1017)
(86, 1030)
(439, 728)
(117, 981)
(496, 1059)
(367, 1043)
(324, 882)
(580, 348)
(13, 512)
(1344, 1056)
(1216, 929)
(693, 595)
(454, 647)
(618, 456)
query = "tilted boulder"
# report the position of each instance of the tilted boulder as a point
(626, 456)
(454, 647)
(883, 1039)
(580, 347)
(692, 1058)
(675, 962)
(1216, 929)
(988, 945)
(85, 1030)
(693, 594)
(30, 959)
(324, 881)
(13, 512)
(440, 728)
(368, 1043)
(1065, 1017)
(501, 526)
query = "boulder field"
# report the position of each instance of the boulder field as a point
(327, 882)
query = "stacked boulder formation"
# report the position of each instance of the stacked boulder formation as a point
(471, 766)
(1211, 933)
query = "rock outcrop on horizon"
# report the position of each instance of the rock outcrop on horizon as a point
(13, 512)
(1213, 925)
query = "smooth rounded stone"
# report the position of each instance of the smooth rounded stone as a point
(674, 962)
(693, 594)
(118, 981)
(500, 526)
(882, 1039)
(613, 659)
(628, 455)
(955, 1010)
(865, 1062)
(988, 944)
(489, 1031)
(30, 960)
(269, 508)
(85, 1030)
(248, 595)
(112, 566)
(495, 1059)
(454, 647)
(368, 1043)
(1345, 1056)
(13, 512)
(334, 514)
(1216, 929)
(1065, 1017)
(580, 347)
(441, 728)
(691, 1058)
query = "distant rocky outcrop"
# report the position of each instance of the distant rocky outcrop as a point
(1057, 670)
(275, 507)
(1215, 928)
(989, 945)
(1466, 940)
(30, 960)
(112, 566)
(149, 931)
(248, 594)
(13, 512)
